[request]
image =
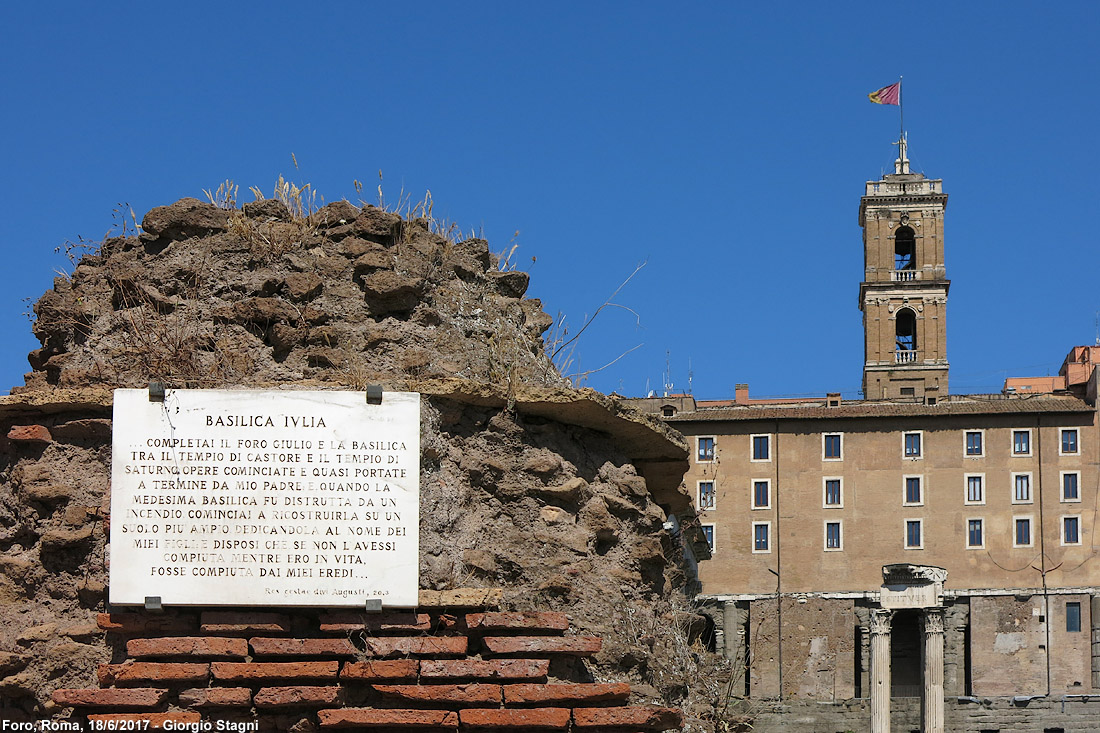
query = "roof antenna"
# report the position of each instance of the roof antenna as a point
(1098, 328)
(667, 375)
(691, 374)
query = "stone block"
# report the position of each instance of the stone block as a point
(30, 434)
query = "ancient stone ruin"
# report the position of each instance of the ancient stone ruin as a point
(553, 529)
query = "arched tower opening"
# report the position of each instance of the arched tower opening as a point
(905, 249)
(905, 331)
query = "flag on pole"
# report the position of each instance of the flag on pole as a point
(886, 95)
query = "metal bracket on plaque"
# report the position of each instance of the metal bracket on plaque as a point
(153, 604)
(374, 605)
(156, 391)
(374, 394)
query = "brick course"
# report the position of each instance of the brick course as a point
(373, 718)
(396, 621)
(211, 647)
(520, 719)
(565, 694)
(641, 716)
(134, 697)
(382, 669)
(264, 671)
(263, 647)
(494, 669)
(216, 697)
(388, 646)
(134, 673)
(581, 646)
(155, 721)
(427, 664)
(470, 694)
(501, 621)
(136, 624)
(236, 622)
(289, 697)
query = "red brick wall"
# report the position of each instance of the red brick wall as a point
(435, 668)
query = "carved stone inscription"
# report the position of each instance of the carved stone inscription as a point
(913, 596)
(273, 498)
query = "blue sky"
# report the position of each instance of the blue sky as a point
(724, 144)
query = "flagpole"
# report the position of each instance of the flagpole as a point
(901, 109)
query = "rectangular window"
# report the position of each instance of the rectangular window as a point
(761, 494)
(761, 536)
(1021, 488)
(975, 493)
(913, 538)
(708, 533)
(1069, 442)
(1071, 530)
(833, 494)
(1021, 442)
(706, 450)
(833, 539)
(761, 448)
(974, 443)
(974, 536)
(1070, 492)
(912, 445)
(913, 490)
(1073, 616)
(1023, 532)
(706, 495)
(831, 447)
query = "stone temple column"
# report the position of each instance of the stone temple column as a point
(932, 697)
(734, 617)
(880, 669)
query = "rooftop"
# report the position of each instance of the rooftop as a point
(990, 404)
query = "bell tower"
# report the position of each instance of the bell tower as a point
(903, 295)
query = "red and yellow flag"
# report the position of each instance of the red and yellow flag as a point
(886, 95)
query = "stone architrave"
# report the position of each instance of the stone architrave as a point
(912, 586)
(265, 497)
(932, 698)
(880, 669)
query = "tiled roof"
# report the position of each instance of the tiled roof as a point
(967, 406)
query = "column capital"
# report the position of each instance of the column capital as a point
(880, 620)
(932, 620)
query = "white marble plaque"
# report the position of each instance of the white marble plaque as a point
(267, 498)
